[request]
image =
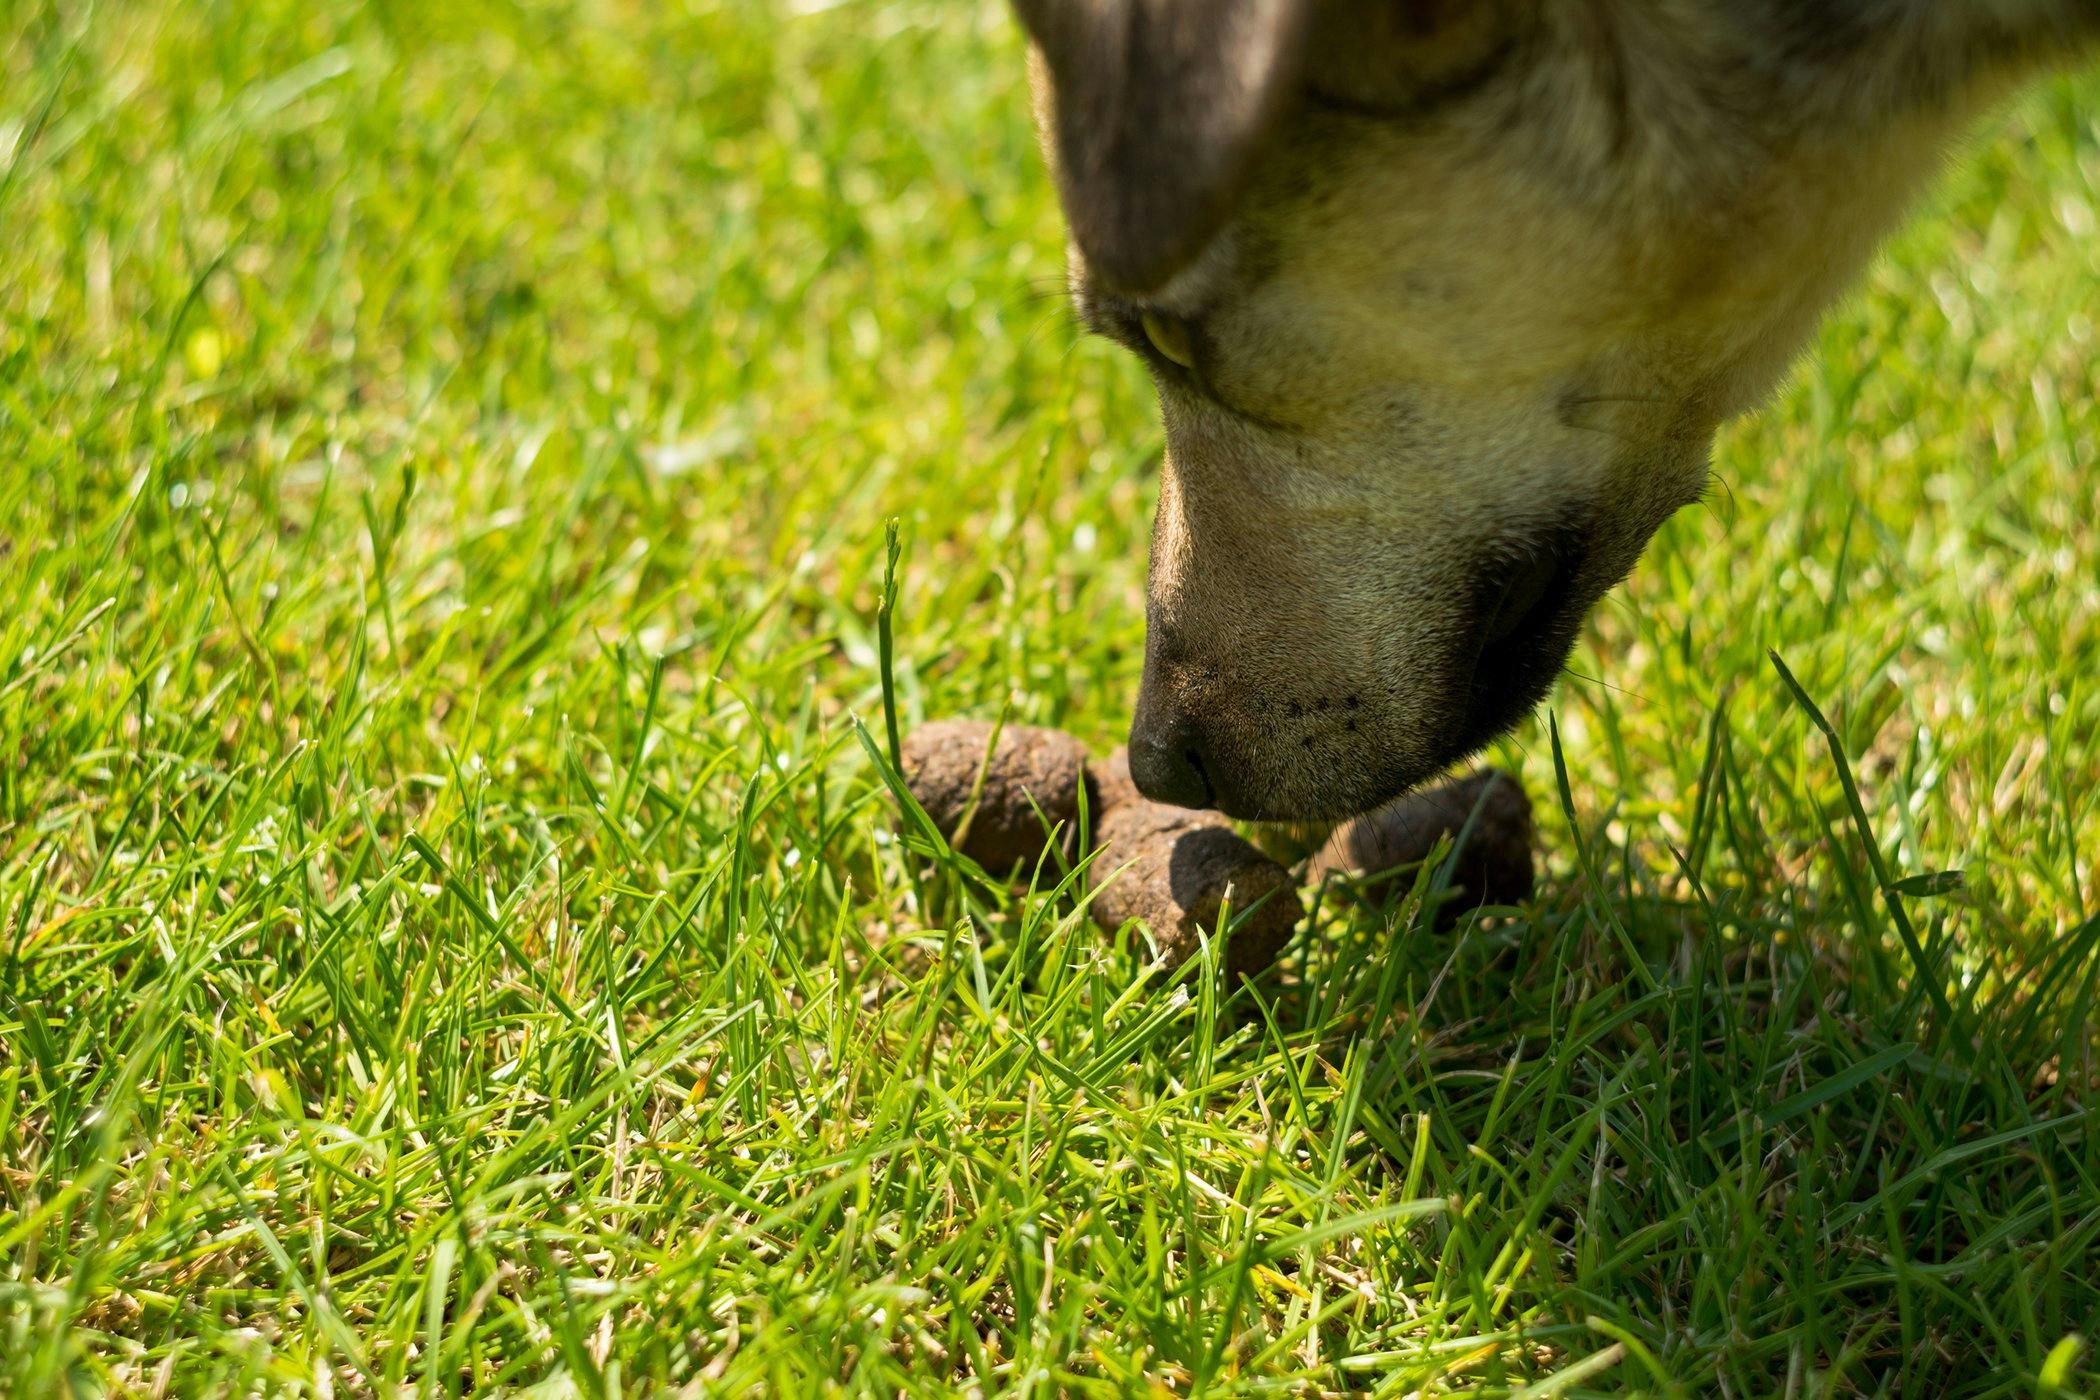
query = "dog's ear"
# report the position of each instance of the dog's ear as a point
(1157, 107)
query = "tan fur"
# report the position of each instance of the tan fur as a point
(1432, 337)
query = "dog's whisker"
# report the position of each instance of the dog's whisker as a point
(1715, 479)
(1046, 324)
(1616, 398)
(1602, 684)
(1627, 438)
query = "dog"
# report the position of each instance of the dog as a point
(1444, 301)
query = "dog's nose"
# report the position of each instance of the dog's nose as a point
(1167, 760)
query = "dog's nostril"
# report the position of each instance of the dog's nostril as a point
(1171, 769)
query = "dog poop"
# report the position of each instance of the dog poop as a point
(1175, 870)
(1493, 866)
(1031, 783)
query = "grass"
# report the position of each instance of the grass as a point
(453, 938)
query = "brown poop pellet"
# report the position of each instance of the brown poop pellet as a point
(1173, 868)
(1031, 781)
(1494, 866)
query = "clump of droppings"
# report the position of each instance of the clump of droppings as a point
(1494, 865)
(1031, 782)
(1176, 870)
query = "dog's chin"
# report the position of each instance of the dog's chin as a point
(1315, 797)
(1346, 785)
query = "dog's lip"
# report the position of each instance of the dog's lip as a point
(1524, 641)
(1532, 587)
(1529, 603)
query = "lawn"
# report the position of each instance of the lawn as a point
(454, 938)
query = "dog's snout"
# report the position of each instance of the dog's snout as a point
(1167, 760)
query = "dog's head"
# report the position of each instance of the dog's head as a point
(1443, 300)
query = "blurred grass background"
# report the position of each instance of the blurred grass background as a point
(452, 941)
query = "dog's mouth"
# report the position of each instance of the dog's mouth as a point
(1530, 615)
(1526, 596)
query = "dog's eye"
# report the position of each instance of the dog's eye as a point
(1170, 336)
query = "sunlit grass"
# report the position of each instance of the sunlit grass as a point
(452, 939)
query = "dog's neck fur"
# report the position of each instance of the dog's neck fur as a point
(1781, 139)
(1765, 70)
